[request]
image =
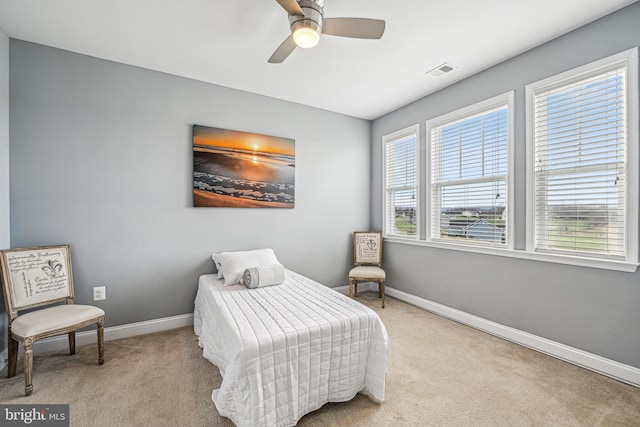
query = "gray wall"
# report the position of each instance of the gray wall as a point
(101, 159)
(590, 309)
(4, 170)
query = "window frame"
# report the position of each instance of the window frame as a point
(413, 130)
(468, 112)
(629, 59)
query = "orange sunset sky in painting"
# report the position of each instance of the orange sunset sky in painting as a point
(215, 137)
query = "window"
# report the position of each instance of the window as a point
(401, 183)
(470, 174)
(582, 189)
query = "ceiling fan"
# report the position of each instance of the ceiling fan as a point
(307, 23)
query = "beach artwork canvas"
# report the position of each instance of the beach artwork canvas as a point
(242, 170)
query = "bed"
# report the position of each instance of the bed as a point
(286, 350)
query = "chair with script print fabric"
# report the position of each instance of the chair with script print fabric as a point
(34, 278)
(367, 260)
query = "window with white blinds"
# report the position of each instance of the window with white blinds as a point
(401, 183)
(470, 171)
(579, 149)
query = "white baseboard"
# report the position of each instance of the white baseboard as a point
(145, 327)
(61, 342)
(601, 365)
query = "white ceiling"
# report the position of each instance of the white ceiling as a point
(228, 42)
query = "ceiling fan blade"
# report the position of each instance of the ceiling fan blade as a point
(283, 51)
(359, 28)
(291, 6)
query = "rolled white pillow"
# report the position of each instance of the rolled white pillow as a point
(264, 275)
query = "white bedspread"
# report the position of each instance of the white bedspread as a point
(286, 350)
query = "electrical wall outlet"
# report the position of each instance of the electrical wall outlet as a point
(99, 293)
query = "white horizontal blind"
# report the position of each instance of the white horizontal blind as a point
(580, 169)
(401, 174)
(469, 167)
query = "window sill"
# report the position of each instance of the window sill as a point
(624, 266)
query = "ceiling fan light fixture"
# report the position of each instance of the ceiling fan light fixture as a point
(306, 37)
(307, 24)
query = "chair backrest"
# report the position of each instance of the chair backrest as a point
(37, 276)
(367, 248)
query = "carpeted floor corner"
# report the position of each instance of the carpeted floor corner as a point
(441, 373)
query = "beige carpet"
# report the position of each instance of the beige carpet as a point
(441, 373)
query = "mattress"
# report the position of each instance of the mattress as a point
(286, 350)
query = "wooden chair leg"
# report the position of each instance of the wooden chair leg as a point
(350, 288)
(72, 342)
(28, 366)
(13, 356)
(355, 285)
(382, 292)
(101, 341)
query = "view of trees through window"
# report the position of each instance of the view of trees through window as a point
(580, 162)
(401, 181)
(469, 177)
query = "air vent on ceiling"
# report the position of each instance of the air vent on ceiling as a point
(441, 70)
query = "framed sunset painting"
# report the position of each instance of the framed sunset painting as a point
(242, 170)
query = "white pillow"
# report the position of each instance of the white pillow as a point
(231, 265)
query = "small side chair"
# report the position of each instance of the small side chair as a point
(367, 261)
(40, 280)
